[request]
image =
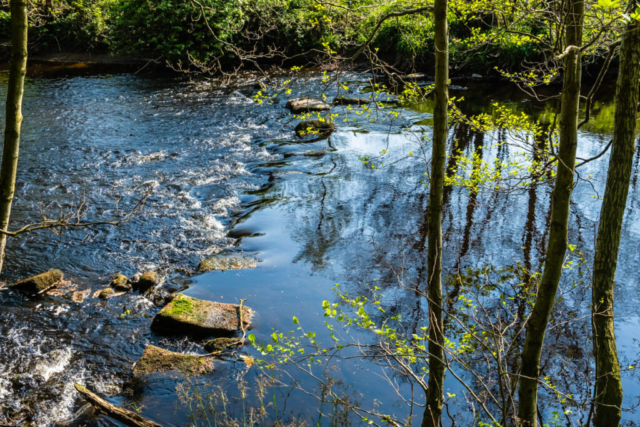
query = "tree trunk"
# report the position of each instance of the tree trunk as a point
(17, 72)
(608, 383)
(433, 410)
(560, 207)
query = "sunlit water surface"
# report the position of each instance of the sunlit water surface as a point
(215, 162)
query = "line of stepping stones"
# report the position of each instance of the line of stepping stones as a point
(181, 315)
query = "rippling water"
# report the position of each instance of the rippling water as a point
(222, 180)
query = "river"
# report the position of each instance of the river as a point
(223, 179)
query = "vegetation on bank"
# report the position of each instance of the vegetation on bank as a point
(208, 31)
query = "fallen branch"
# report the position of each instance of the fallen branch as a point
(123, 415)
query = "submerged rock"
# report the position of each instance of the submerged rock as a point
(307, 153)
(106, 293)
(314, 126)
(217, 345)
(224, 263)
(186, 315)
(348, 100)
(39, 284)
(303, 105)
(147, 281)
(156, 359)
(121, 283)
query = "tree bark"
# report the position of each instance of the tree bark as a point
(560, 207)
(433, 409)
(608, 382)
(15, 90)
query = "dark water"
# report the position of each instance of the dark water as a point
(216, 162)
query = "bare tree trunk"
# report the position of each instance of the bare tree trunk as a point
(560, 207)
(17, 72)
(608, 383)
(433, 410)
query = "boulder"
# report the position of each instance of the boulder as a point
(310, 126)
(147, 281)
(415, 76)
(476, 76)
(217, 345)
(303, 105)
(106, 293)
(39, 284)
(347, 100)
(156, 359)
(121, 283)
(224, 263)
(186, 315)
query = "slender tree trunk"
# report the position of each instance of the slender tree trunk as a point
(17, 72)
(435, 391)
(560, 206)
(608, 383)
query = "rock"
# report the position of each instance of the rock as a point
(39, 284)
(476, 76)
(106, 293)
(190, 315)
(347, 100)
(307, 153)
(415, 76)
(303, 105)
(135, 278)
(224, 263)
(156, 359)
(147, 281)
(310, 126)
(217, 345)
(121, 283)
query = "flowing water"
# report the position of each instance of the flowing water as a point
(222, 178)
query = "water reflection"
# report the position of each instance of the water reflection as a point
(219, 161)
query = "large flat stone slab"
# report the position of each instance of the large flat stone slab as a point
(39, 284)
(156, 359)
(185, 315)
(304, 105)
(224, 263)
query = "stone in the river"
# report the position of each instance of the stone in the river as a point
(106, 293)
(476, 76)
(415, 76)
(220, 344)
(310, 126)
(147, 281)
(39, 284)
(303, 105)
(224, 263)
(121, 283)
(348, 100)
(186, 315)
(156, 359)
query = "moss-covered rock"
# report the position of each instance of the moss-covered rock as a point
(349, 100)
(303, 105)
(224, 263)
(156, 359)
(217, 345)
(121, 283)
(307, 127)
(187, 315)
(106, 293)
(39, 284)
(147, 281)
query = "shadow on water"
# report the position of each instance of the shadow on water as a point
(216, 162)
